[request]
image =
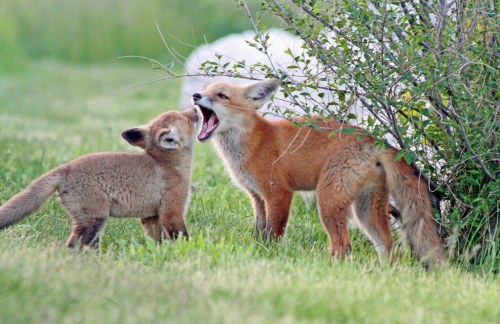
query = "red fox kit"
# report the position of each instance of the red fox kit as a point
(153, 185)
(272, 159)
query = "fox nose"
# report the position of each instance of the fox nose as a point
(196, 96)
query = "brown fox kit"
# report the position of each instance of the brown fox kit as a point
(272, 159)
(152, 185)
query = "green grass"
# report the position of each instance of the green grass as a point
(97, 31)
(52, 113)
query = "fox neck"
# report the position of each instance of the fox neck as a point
(238, 144)
(237, 139)
(180, 160)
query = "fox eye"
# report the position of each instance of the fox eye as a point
(222, 96)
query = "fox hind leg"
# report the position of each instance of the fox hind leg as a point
(379, 217)
(337, 188)
(334, 216)
(372, 215)
(86, 232)
(89, 212)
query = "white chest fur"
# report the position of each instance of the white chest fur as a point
(232, 149)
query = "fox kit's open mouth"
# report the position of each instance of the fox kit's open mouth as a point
(209, 123)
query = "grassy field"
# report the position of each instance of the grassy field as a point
(52, 113)
(97, 31)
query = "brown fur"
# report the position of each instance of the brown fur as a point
(272, 159)
(153, 185)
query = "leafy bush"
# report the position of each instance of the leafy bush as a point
(421, 74)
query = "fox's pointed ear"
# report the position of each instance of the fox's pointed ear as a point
(192, 115)
(135, 137)
(262, 91)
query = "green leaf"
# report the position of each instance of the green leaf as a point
(399, 155)
(410, 157)
(341, 96)
(348, 130)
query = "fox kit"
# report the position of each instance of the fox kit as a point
(272, 159)
(152, 185)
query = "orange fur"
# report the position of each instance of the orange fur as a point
(272, 159)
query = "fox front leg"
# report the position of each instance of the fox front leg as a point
(259, 212)
(172, 230)
(172, 223)
(277, 211)
(152, 227)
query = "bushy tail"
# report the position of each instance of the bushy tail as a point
(410, 189)
(30, 199)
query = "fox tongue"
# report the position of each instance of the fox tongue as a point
(212, 122)
(208, 127)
